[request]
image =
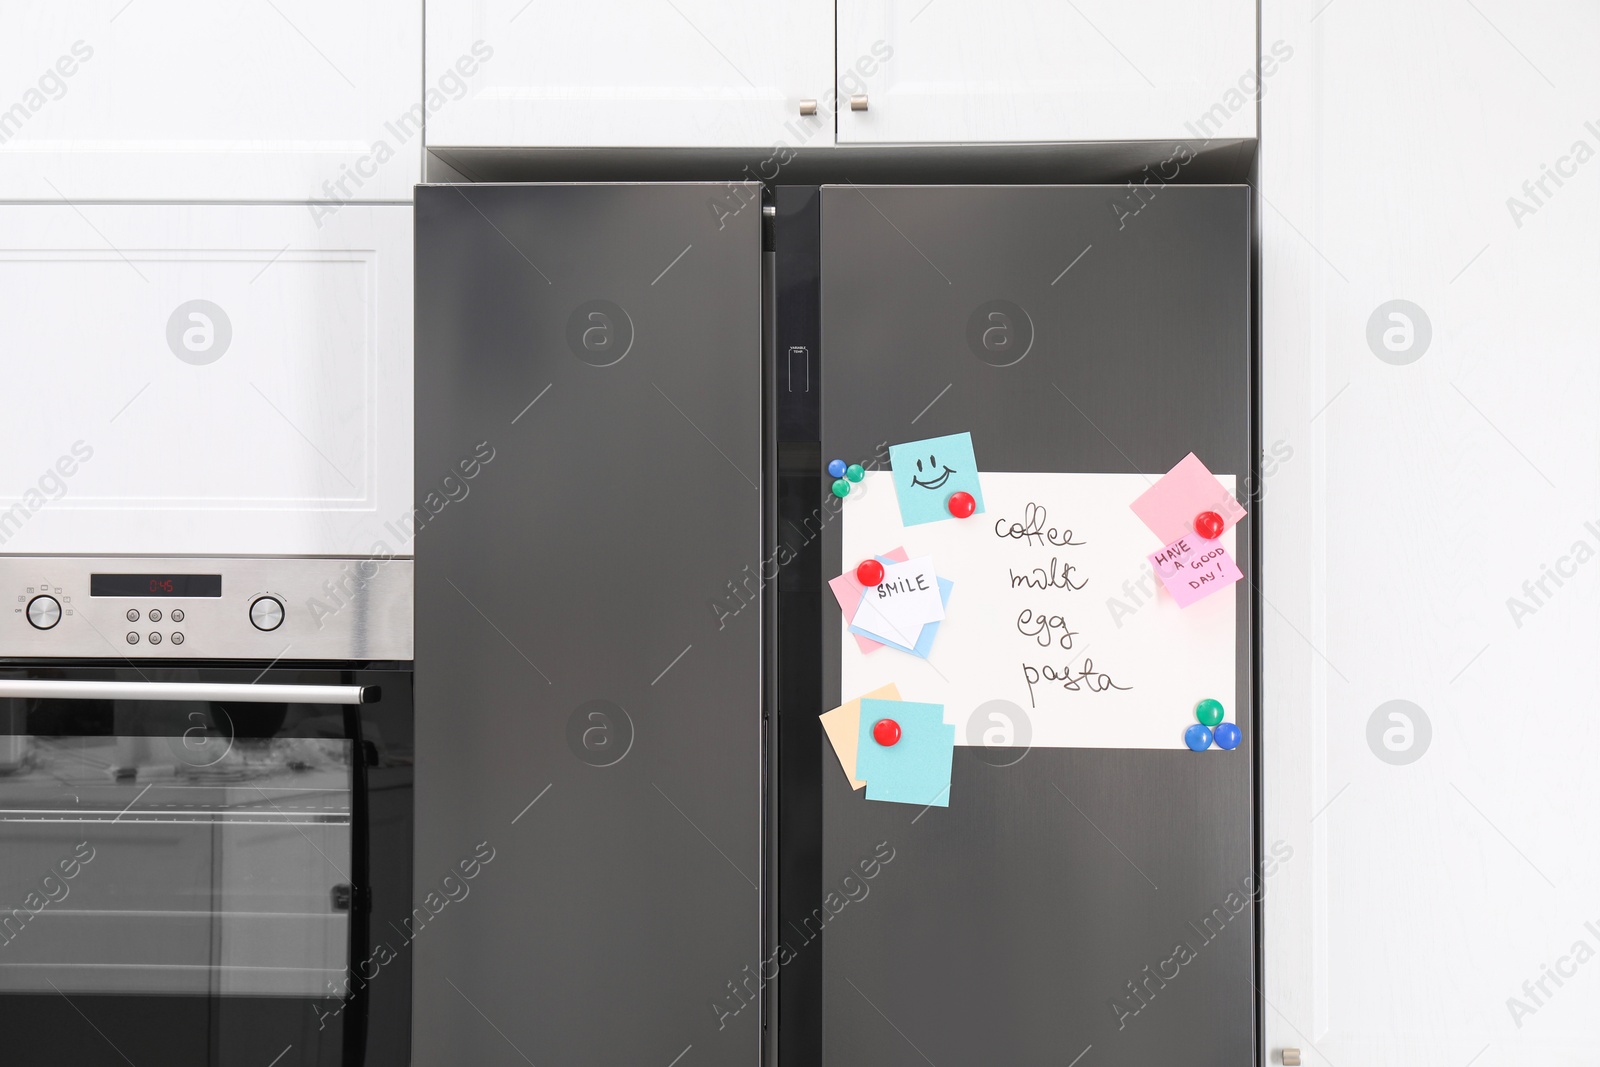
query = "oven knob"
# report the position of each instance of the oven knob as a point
(44, 612)
(266, 613)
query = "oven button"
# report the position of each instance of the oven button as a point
(133, 638)
(133, 614)
(177, 639)
(155, 639)
(266, 613)
(44, 612)
(155, 614)
(177, 614)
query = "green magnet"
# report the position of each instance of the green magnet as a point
(1208, 712)
(841, 488)
(855, 472)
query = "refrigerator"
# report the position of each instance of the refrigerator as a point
(627, 396)
(590, 430)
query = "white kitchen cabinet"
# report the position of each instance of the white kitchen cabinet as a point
(952, 71)
(206, 379)
(186, 100)
(685, 73)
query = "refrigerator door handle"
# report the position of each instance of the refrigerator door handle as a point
(50, 689)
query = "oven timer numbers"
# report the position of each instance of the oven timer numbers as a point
(161, 585)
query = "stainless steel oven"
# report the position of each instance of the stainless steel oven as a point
(205, 811)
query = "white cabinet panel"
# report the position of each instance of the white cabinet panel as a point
(1047, 70)
(185, 100)
(692, 73)
(192, 379)
(1430, 535)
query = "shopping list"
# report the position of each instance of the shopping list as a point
(1055, 609)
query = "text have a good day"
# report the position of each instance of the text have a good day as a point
(1193, 567)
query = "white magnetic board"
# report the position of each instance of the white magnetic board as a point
(1070, 628)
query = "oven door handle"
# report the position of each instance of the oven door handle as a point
(51, 689)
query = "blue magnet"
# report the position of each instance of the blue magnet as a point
(1228, 736)
(1198, 737)
(836, 468)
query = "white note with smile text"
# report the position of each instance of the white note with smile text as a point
(906, 600)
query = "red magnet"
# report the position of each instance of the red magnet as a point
(886, 732)
(962, 505)
(1208, 524)
(870, 572)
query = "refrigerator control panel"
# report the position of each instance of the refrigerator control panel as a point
(204, 608)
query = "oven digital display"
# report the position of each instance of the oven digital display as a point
(194, 585)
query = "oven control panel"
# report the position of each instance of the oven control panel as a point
(206, 608)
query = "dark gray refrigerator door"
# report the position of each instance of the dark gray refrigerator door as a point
(1035, 920)
(589, 708)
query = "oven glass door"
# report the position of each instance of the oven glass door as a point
(170, 851)
(220, 865)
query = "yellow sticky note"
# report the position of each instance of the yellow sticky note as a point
(843, 727)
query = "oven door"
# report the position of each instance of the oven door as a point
(193, 861)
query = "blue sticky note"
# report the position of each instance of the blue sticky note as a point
(914, 770)
(929, 629)
(927, 472)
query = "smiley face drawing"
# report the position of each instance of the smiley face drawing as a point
(934, 482)
(927, 473)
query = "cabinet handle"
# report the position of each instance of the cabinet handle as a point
(808, 107)
(1291, 1057)
(858, 103)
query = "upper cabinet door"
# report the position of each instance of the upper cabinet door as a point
(943, 71)
(187, 100)
(687, 73)
(209, 379)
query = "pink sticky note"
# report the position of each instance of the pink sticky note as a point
(847, 591)
(1193, 568)
(1169, 506)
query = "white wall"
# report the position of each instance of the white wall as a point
(1418, 500)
